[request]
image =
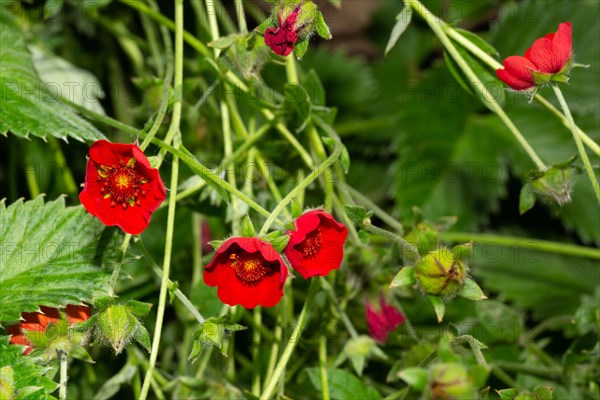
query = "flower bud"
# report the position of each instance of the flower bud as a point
(440, 273)
(449, 381)
(117, 325)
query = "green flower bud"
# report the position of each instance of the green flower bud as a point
(440, 273)
(449, 381)
(117, 325)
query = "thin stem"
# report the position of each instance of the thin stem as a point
(319, 149)
(178, 293)
(228, 146)
(301, 186)
(162, 109)
(323, 367)
(405, 246)
(542, 372)
(342, 313)
(64, 376)
(518, 242)
(257, 322)
(291, 345)
(474, 348)
(173, 129)
(491, 62)
(212, 22)
(582, 153)
(480, 87)
(544, 326)
(117, 268)
(241, 17)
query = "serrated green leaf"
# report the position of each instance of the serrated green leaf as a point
(472, 291)
(27, 108)
(28, 376)
(404, 278)
(42, 263)
(278, 240)
(402, 22)
(415, 377)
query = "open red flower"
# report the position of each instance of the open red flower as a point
(32, 328)
(121, 188)
(282, 38)
(248, 272)
(317, 245)
(383, 322)
(547, 57)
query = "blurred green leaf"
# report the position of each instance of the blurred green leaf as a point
(342, 384)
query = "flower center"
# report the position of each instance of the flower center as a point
(311, 245)
(121, 183)
(250, 268)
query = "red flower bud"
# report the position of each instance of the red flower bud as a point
(548, 56)
(121, 188)
(283, 38)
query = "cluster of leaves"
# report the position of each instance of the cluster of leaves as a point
(409, 120)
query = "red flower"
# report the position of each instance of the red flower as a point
(384, 322)
(34, 324)
(283, 38)
(317, 245)
(247, 271)
(547, 56)
(121, 188)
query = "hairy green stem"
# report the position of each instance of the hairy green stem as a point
(474, 348)
(301, 186)
(582, 153)
(292, 342)
(342, 313)
(477, 85)
(64, 376)
(323, 367)
(542, 372)
(518, 242)
(117, 268)
(241, 17)
(405, 246)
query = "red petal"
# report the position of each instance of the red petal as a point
(17, 337)
(552, 52)
(77, 314)
(517, 73)
(563, 44)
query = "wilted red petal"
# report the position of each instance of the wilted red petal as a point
(121, 188)
(248, 272)
(517, 73)
(316, 247)
(383, 322)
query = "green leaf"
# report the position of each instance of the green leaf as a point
(478, 41)
(42, 263)
(405, 277)
(27, 376)
(278, 240)
(248, 227)
(301, 48)
(358, 214)
(527, 198)
(314, 87)
(142, 337)
(321, 26)
(472, 291)
(297, 103)
(266, 24)
(402, 22)
(71, 82)
(27, 106)
(342, 384)
(415, 377)
(438, 306)
(138, 308)
(223, 42)
(547, 284)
